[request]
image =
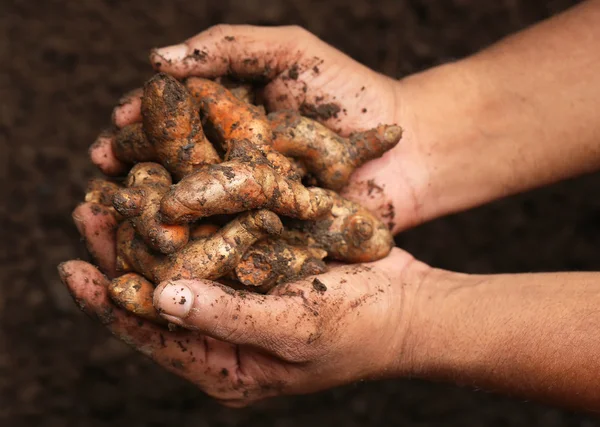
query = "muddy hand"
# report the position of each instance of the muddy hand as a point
(343, 326)
(302, 73)
(348, 324)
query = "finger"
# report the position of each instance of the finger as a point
(129, 109)
(395, 262)
(301, 70)
(236, 317)
(182, 353)
(102, 155)
(242, 50)
(97, 225)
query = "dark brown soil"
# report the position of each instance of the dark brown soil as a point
(66, 63)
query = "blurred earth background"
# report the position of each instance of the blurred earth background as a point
(64, 64)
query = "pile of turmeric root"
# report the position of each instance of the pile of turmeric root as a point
(218, 189)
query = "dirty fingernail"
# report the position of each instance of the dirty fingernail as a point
(174, 300)
(78, 220)
(170, 53)
(62, 272)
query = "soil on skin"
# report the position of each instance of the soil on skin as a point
(65, 64)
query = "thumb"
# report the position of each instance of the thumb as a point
(272, 323)
(243, 50)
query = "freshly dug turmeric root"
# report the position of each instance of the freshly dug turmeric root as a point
(172, 124)
(242, 91)
(102, 192)
(269, 262)
(273, 261)
(132, 146)
(134, 293)
(147, 183)
(348, 233)
(202, 231)
(328, 156)
(133, 255)
(246, 182)
(235, 120)
(209, 258)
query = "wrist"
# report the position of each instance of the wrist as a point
(442, 114)
(426, 337)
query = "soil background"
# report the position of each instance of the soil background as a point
(64, 64)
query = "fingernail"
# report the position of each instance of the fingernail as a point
(174, 300)
(172, 53)
(78, 220)
(62, 272)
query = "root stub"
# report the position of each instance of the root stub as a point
(133, 293)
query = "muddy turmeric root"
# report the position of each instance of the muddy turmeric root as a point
(209, 258)
(274, 261)
(133, 255)
(146, 184)
(132, 146)
(202, 231)
(246, 182)
(269, 262)
(328, 156)
(134, 293)
(348, 233)
(242, 91)
(172, 124)
(102, 192)
(235, 120)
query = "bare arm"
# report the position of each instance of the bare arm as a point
(521, 114)
(530, 335)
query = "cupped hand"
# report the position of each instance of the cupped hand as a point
(348, 324)
(301, 72)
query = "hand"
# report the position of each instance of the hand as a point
(392, 318)
(348, 324)
(306, 74)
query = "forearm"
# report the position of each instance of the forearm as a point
(530, 335)
(521, 114)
